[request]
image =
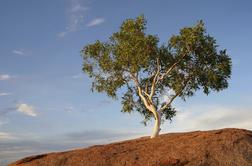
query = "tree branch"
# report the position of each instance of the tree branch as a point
(140, 92)
(172, 67)
(146, 87)
(154, 81)
(146, 94)
(176, 95)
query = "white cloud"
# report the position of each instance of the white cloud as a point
(75, 17)
(211, 117)
(5, 77)
(95, 22)
(75, 22)
(78, 76)
(77, 8)
(4, 136)
(26, 109)
(69, 109)
(22, 52)
(4, 94)
(18, 52)
(62, 34)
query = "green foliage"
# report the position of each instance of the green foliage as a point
(130, 50)
(192, 54)
(206, 67)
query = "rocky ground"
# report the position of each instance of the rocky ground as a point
(225, 147)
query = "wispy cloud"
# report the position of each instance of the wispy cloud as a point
(101, 136)
(4, 94)
(75, 17)
(95, 22)
(69, 109)
(21, 52)
(62, 34)
(18, 52)
(6, 136)
(76, 7)
(211, 117)
(26, 109)
(78, 76)
(5, 77)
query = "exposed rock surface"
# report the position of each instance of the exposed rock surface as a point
(225, 147)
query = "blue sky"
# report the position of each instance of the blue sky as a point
(45, 100)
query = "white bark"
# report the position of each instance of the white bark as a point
(156, 128)
(148, 103)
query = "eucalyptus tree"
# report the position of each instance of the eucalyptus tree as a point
(149, 75)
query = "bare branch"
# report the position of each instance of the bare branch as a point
(146, 94)
(168, 103)
(172, 67)
(176, 95)
(154, 81)
(140, 92)
(146, 87)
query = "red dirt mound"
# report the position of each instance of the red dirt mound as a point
(225, 147)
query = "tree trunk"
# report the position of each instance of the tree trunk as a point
(156, 128)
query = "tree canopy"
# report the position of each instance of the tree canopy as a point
(151, 75)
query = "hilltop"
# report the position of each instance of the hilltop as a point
(223, 147)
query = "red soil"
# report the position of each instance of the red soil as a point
(225, 147)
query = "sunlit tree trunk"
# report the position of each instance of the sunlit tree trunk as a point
(156, 128)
